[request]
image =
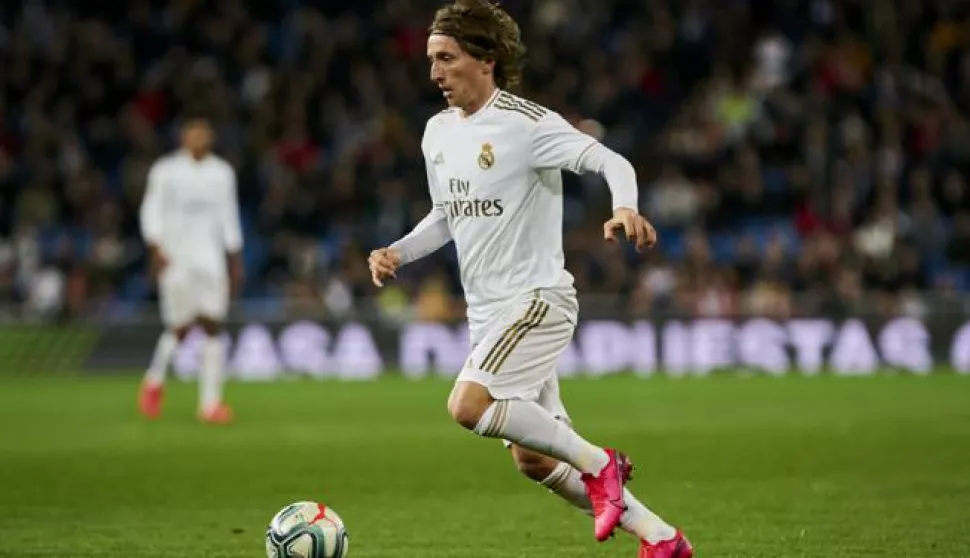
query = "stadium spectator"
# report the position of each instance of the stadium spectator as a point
(796, 156)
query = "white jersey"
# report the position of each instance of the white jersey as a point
(190, 212)
(495, 179)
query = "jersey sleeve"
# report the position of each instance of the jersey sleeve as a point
(557, 144)
(231, 228)
(151, 212)
(432, 232)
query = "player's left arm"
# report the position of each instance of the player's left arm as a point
(232, 237)
(557, 144)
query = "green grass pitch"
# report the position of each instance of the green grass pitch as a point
(750, 467)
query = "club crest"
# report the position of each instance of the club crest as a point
(486, 158)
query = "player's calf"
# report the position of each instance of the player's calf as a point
(533, 464)
(211, 407)
(524, 423)
(152, 392)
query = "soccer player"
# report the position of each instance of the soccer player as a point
(190, 224)
(494, 164)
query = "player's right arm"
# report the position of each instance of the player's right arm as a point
(430, 234)
(151, 217)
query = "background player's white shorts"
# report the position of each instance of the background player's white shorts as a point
(186, 296)
(517, 355)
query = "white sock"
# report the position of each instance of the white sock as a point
(164, 350)
(637, 520)
(210, 377)
(532, 427)
(566, 482)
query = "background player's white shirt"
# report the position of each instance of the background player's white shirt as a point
(495, 179)
(190, 211)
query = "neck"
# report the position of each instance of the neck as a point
(197, 155)
(479, 101)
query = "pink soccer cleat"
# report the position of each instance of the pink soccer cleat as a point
(677, 547)
(605, 491)
(217, 414)
(150, 400)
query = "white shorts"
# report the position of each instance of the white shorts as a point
(186, 296)
(517, 355)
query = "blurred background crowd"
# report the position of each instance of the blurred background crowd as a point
(797, 156)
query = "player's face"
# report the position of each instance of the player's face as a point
(461, 77)
(197, 137)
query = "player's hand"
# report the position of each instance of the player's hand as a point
(383, 264)
(637, 229)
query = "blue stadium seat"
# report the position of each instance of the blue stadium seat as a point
(723, 247)
(136, 287)
(775, 179)
(671, 242)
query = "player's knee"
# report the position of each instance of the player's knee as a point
(534, 465)
(467, 404)
(465, 412)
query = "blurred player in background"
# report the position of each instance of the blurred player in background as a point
(494, 164)
(190, 224)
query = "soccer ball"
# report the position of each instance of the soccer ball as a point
(306, 530)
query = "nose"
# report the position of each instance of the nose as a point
(437, 74)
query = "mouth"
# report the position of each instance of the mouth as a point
(445, 91)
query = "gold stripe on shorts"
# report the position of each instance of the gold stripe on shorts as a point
(534, 323)
(509, 333)
(512, 336)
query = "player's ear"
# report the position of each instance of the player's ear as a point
(488, 66)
